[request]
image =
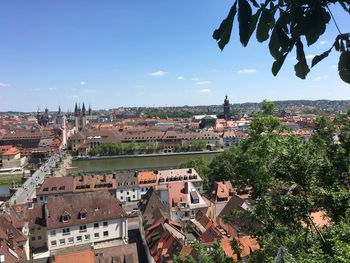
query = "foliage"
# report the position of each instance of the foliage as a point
(204, 255)
(289, 178)
(268, 107)
(110, 149)
(285, 24)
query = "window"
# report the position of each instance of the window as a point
(121, 191)
(87, 237)
(45, 189)
(62, 242)
(79, 238)
(62, 187)
(127, 192)
(96, 225)
(82, 214)
(82, 228)
(133, 196)
(54, 188)
(105, 223)
(39, 237)
(97, 235)
(70, 240)
(105, 233)
(33, 238)
(65, 218)
(121, 198)
(53, 243)
(66, 231)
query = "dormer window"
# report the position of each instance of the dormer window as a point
(65, 217)
(82, 214)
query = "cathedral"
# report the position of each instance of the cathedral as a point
(81, 116)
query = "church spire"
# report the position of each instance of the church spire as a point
(83, 109)
(76, 110)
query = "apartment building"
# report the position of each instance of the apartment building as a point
(87, 218)
(72, 219)
(59, 186)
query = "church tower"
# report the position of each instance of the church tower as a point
(76, 117)
(226, 107)
(83, 116)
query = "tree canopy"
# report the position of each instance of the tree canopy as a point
(289, 179)
(288, 25)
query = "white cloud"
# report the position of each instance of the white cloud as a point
(195, 79)
(180, 77)
(74, 97)
(245, 71)
(334, 66)
(321, 77)
(204, 90)
(324, 42)
(82, 83)
(204, 82)
(4, 85)
(90, 91)
(52, 88)
(159, 73)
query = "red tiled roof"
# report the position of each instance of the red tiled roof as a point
(12, 151)
(83, 256)
(99, 206)
(16, 252)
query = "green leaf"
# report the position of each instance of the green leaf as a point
(282, 37)
(301, 68)
(344, 66)
(318, 58)
(255, 3)
(264, 25)
(313, 25)
(223, 34)
(277, 65)
(244, 18)
(274, 44)
(253, 23)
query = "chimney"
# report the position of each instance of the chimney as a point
(10, 239)
(114, 175)
(82, 178)
(104, 178)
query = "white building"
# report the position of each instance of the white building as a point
(87, 218)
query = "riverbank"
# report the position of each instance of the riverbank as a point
(9, 180)
(143, 162)
(145, 155)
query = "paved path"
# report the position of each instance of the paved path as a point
(27, 190)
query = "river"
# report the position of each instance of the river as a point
(4, 190)
(134, 163)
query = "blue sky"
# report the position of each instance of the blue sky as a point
(115, 53)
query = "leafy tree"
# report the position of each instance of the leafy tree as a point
(268, 107)
(214, 255)
(285, 24)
